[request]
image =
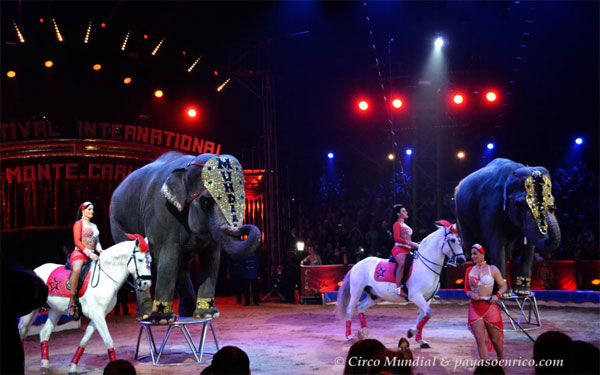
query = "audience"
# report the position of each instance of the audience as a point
(370, 356)
(230, 360)
(551, 345)
(585, 358)
(120, 367)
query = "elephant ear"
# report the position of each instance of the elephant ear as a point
(514, 183)
(174, 189)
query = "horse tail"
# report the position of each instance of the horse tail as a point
(343, 297)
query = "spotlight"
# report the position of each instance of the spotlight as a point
(49, 64)
(97, 67)
(397, 103)
(579, 141)
(491, 96)
(439, 43)
(158, 93)
(300, 246)
(330, 155)
(458, 99)
(391, 156)
(409, 151)
(127, 80)
(460, 155)
(11, 74)
(363, 105)
(192, 112)
(490, 146)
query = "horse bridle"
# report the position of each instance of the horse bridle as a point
(138, 278)
(450, 263)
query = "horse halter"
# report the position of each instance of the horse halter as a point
(138, 278)
(450, 263)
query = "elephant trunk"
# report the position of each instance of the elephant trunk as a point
(229, 237)
(543, 243)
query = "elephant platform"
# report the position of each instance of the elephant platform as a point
(308, 339)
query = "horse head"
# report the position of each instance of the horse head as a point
(451, 246)
(139, 264)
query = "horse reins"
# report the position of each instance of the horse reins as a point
(424, 259)
(138, 278)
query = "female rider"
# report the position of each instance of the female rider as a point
(403, 244)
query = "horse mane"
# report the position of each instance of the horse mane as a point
(116, 253)
(430, 236)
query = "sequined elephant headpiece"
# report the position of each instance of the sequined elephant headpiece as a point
(223, 177)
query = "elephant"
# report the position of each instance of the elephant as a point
(503, 202)
(185, 205)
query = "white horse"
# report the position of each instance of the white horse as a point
(422, 283)
(100, 296)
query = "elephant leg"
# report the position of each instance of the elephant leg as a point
(144, 304)
(209, 270)
(498, 259)
(185, 291)
(166, 277)
(523, 279)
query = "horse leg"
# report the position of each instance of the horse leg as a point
(89, 331)
(53, 317)
(25, 323)
(100, 323)
(361, 307)
(422, 319)
(354, 297)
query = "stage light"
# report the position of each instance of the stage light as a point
(409, 151)
(579, 141)
(41, 20)
(127, 80)
(183, 53)
(330, 155)
(155, 50)
(11, 74)
(158, 93)
(363, 105)
(491, 96)
(194, 64)
(87, 33)
(490, 146)
(391, 157)
(458, 99)
(596, 282)
(103, 24)
(125, 41)
(49, 64)
(222, 85)
(459, 281)
(145, 36)
(300, 246)
(460, 155)
(58, 34)
(191, 112)
(439, 43)
(397, 103)
(19, 35)
(97, 67)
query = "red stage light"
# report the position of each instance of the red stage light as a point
(41, 20)
(458, 99)
(192, 112)
(216, 73)
(363, 105)
(145, 36)
(158, 93)
(103, 24)
(397, 103)
(491, 96)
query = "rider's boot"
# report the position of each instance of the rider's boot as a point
(400, 288)
(72, 310)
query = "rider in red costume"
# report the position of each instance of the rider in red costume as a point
(403, 244)
(87, 246)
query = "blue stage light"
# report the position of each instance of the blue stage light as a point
(330, 155)
(490, 146)
(408, 151)
(439, 43)
(579, 140)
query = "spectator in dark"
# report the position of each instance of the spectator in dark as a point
(30, 294)
(250, 280)
(337, 257)
(552, 345)
(489, 370)
(235, 272)
(313, 258)
(394, 361)
(363, 350)
(585, 358)
(120, 367)
(230, 360)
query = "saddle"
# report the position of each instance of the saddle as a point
(58, 281)
(386, 270)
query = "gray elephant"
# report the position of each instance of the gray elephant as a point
(185, 205)
(504, 202)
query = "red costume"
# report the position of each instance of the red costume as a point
(482, 309)
(85, 237)
(402, 234)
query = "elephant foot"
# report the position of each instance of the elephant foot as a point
(523, 291)
(205, 308)
(162, 319)
(523, 286)
(143, 317)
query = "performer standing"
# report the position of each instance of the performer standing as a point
(485, 320)
(403, 244)
(87, 246)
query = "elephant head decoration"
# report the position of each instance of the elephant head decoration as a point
(185, 205)
(505, 202)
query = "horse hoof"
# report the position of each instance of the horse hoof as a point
(409, 334)
(425, 345)
(362, 335)
(45, 370)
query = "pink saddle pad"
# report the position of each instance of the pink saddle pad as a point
(385, 271)
(57, 283)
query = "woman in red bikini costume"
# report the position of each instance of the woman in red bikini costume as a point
(485, 320)
(403, 244)
(87, 246)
